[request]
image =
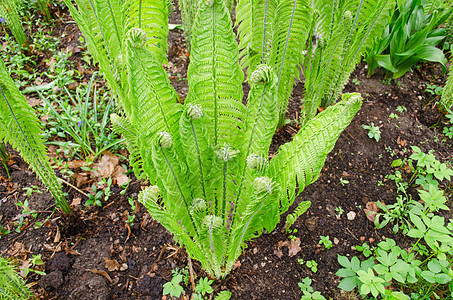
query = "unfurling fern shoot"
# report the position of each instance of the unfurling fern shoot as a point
(212, 183)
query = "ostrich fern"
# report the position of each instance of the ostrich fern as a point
(20, 127)
(8, 10)
(213, 185)
(446, 100)
(12, 286)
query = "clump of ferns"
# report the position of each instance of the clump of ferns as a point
(213, 185)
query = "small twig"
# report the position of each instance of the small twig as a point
(191, 273)
(349, 134)
(74, 187)
(161, 253)
(352, 234)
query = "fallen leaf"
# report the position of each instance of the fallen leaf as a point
(119, 177)
(74, 164)
(80, 178)
(102, 273)
(57, 236)
(24, 268)
(111, 264)
(17, 250)
(106, 166)
(34, 101)
(53, 248)
(371, 210)
(76, 202)
(293, 247)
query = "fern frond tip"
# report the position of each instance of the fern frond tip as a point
(137, 37)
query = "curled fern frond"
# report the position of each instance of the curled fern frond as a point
(151, 16)
(256, 162)
(263, 75)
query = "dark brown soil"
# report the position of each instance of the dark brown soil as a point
(74, 247)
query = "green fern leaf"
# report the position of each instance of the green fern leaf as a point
(123, 126)
(21, 128)
(149, 198)
(197, 149)
(152, 17)
(103, 27)
(300, 161)
(254, 18)
(12, 286)
(215, 78)
(8, 10)
(260, 213)
(153, 100)
(291, 218)
(189, 10)
(347, 28)
(291, 28)
(171, 170)
(446, 100)
(260, 123)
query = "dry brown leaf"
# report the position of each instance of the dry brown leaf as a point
(80, 178)
(74, 164)
(34, 101)
(119, 177)
(102, 273)
(76, 202)
(293, 247)
(26, 264)
(53, 248)
(18, 249)
(111, 264)
(371, 210)
(57, 237)
(106, 166)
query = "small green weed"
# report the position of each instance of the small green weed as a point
(326, 242)
(373, 131)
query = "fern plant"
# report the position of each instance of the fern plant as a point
(278, 32)
(446, 100)
(21, 128)
(8, 10)
(12, 286)
(213, 185)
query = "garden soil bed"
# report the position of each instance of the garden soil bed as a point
(93, 254)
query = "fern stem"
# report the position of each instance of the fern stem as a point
(236, 200)
(199, 160)
(283, 110)
(180, 190)
(214, 81)
(140, 14)
(211, 244)
(224, 192)
(114, 22)
(264, 31)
